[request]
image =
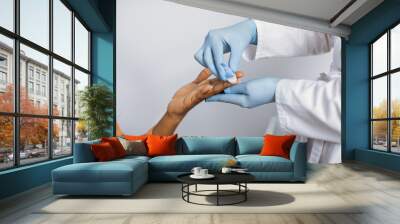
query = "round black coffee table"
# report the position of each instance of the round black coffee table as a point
(238, 179)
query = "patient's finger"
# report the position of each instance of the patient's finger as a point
(204, 74)
(239, 74)
(201, 93)
(219, 85)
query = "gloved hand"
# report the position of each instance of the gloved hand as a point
(249, 94)
(233, 39)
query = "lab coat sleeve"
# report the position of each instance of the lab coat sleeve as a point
(274, 40)
(310, 108)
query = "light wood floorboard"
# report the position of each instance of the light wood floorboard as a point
(379, 189)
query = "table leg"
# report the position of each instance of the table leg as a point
(182, 190)
(245, 193)
(217, 194)
(188, 190)
(195, 188)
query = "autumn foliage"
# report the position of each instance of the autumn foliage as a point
(33, 131)
(380, 127)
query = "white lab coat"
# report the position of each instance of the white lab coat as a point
(308, 108)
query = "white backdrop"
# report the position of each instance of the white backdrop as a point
(156, 41)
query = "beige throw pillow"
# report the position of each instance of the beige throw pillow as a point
(137, 147)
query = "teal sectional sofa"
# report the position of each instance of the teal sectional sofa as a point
(125, 176)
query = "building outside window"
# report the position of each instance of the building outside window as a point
(57, 128)
(43, 90)
(3, 72)
(385, 91)
(3, 61)
(3, 78)
(44, 77)
(30, 87)
(37, 74)
(30, 72)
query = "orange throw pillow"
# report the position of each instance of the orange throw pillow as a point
(135, 137)
(277, 145)
(116, 145)
(103, 152)
(161, 145)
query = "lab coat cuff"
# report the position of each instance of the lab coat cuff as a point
(253, 52)
(281, 105)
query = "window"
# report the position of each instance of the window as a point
(62, 31)
(30, 87)
(44, 91)
(61, 75)
(6, 73)
(3, 78)
(3, 61)
(81, 45)
(7, 14)
(34, 21)
(81, 81)
(37, 89)
(30, 72)
(385, 94)
(6, 142)
(47, 76)
(37, 74)
(62, 137)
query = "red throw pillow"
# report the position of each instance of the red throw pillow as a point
(103, 152)
(161, 145)
(116, 145)
(277, 145)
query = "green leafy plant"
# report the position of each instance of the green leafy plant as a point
(96, 103)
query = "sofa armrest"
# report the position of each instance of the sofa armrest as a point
(83, 152)
(298, 154)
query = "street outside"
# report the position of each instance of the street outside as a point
(32, 156)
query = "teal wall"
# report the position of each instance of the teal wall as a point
(99, 16)
(104, 52)
(24, 178)
(356, 85)
(103, 64)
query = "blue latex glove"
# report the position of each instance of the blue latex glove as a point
(233, 39)
(249, 94)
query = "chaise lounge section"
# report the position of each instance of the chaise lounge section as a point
(125, 176)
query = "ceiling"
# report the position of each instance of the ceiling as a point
(329, 16)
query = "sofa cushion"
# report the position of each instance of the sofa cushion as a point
(249, 145)
(257, 163)
(198, 145)
(185, 163)
(111, 171)
(132, 158)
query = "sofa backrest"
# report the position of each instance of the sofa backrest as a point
(83, 153)
(193, 145)
(249, 145)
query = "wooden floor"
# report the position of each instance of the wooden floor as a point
(351, 181)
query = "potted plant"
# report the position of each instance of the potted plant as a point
(96, 102)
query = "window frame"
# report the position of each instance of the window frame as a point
(16, 115)
(388, 74)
